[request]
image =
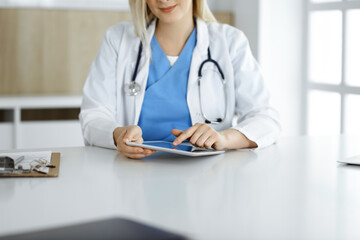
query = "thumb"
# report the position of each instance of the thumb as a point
(132, 134)
(176, 132)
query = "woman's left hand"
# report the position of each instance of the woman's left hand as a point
(200, 135)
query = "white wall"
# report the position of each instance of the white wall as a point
(274, 29)
(246, 17)
(280, 55)
(246, 14)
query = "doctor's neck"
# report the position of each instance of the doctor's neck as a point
(172, 36)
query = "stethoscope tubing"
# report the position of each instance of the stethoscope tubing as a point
(209, 59)
(134, 88)
(137, 62)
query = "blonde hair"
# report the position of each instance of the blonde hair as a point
(142, 16)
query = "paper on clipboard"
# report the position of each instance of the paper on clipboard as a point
(29, 157)
(53, 172)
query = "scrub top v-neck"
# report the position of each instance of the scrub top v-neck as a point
(165, 106)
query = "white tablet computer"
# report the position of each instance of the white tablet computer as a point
(183, 148)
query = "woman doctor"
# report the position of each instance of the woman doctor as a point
(175, 74)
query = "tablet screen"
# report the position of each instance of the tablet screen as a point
(187, 147)
(169, 145)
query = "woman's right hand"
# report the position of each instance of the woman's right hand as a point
(130, 134)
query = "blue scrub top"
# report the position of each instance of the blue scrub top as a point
(165, 107)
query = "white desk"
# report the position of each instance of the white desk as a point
(292, 190)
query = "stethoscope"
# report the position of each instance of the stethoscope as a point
(133, 88)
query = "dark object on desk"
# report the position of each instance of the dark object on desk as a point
(115, 228)
(6, 163)
(354, 160)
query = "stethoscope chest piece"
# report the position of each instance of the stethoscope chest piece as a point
(132, 88)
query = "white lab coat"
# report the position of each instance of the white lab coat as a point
(106, 106)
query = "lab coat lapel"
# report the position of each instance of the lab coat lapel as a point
(143, 73)
(202, 36)
(199, 55)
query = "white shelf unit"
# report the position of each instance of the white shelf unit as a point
(18, 134)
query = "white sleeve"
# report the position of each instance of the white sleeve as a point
(98, 109)
(257, 120)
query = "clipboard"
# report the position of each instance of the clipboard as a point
(53, 172)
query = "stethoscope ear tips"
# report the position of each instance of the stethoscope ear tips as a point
(218, 120)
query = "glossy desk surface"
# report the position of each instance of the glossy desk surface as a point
(294, 189)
